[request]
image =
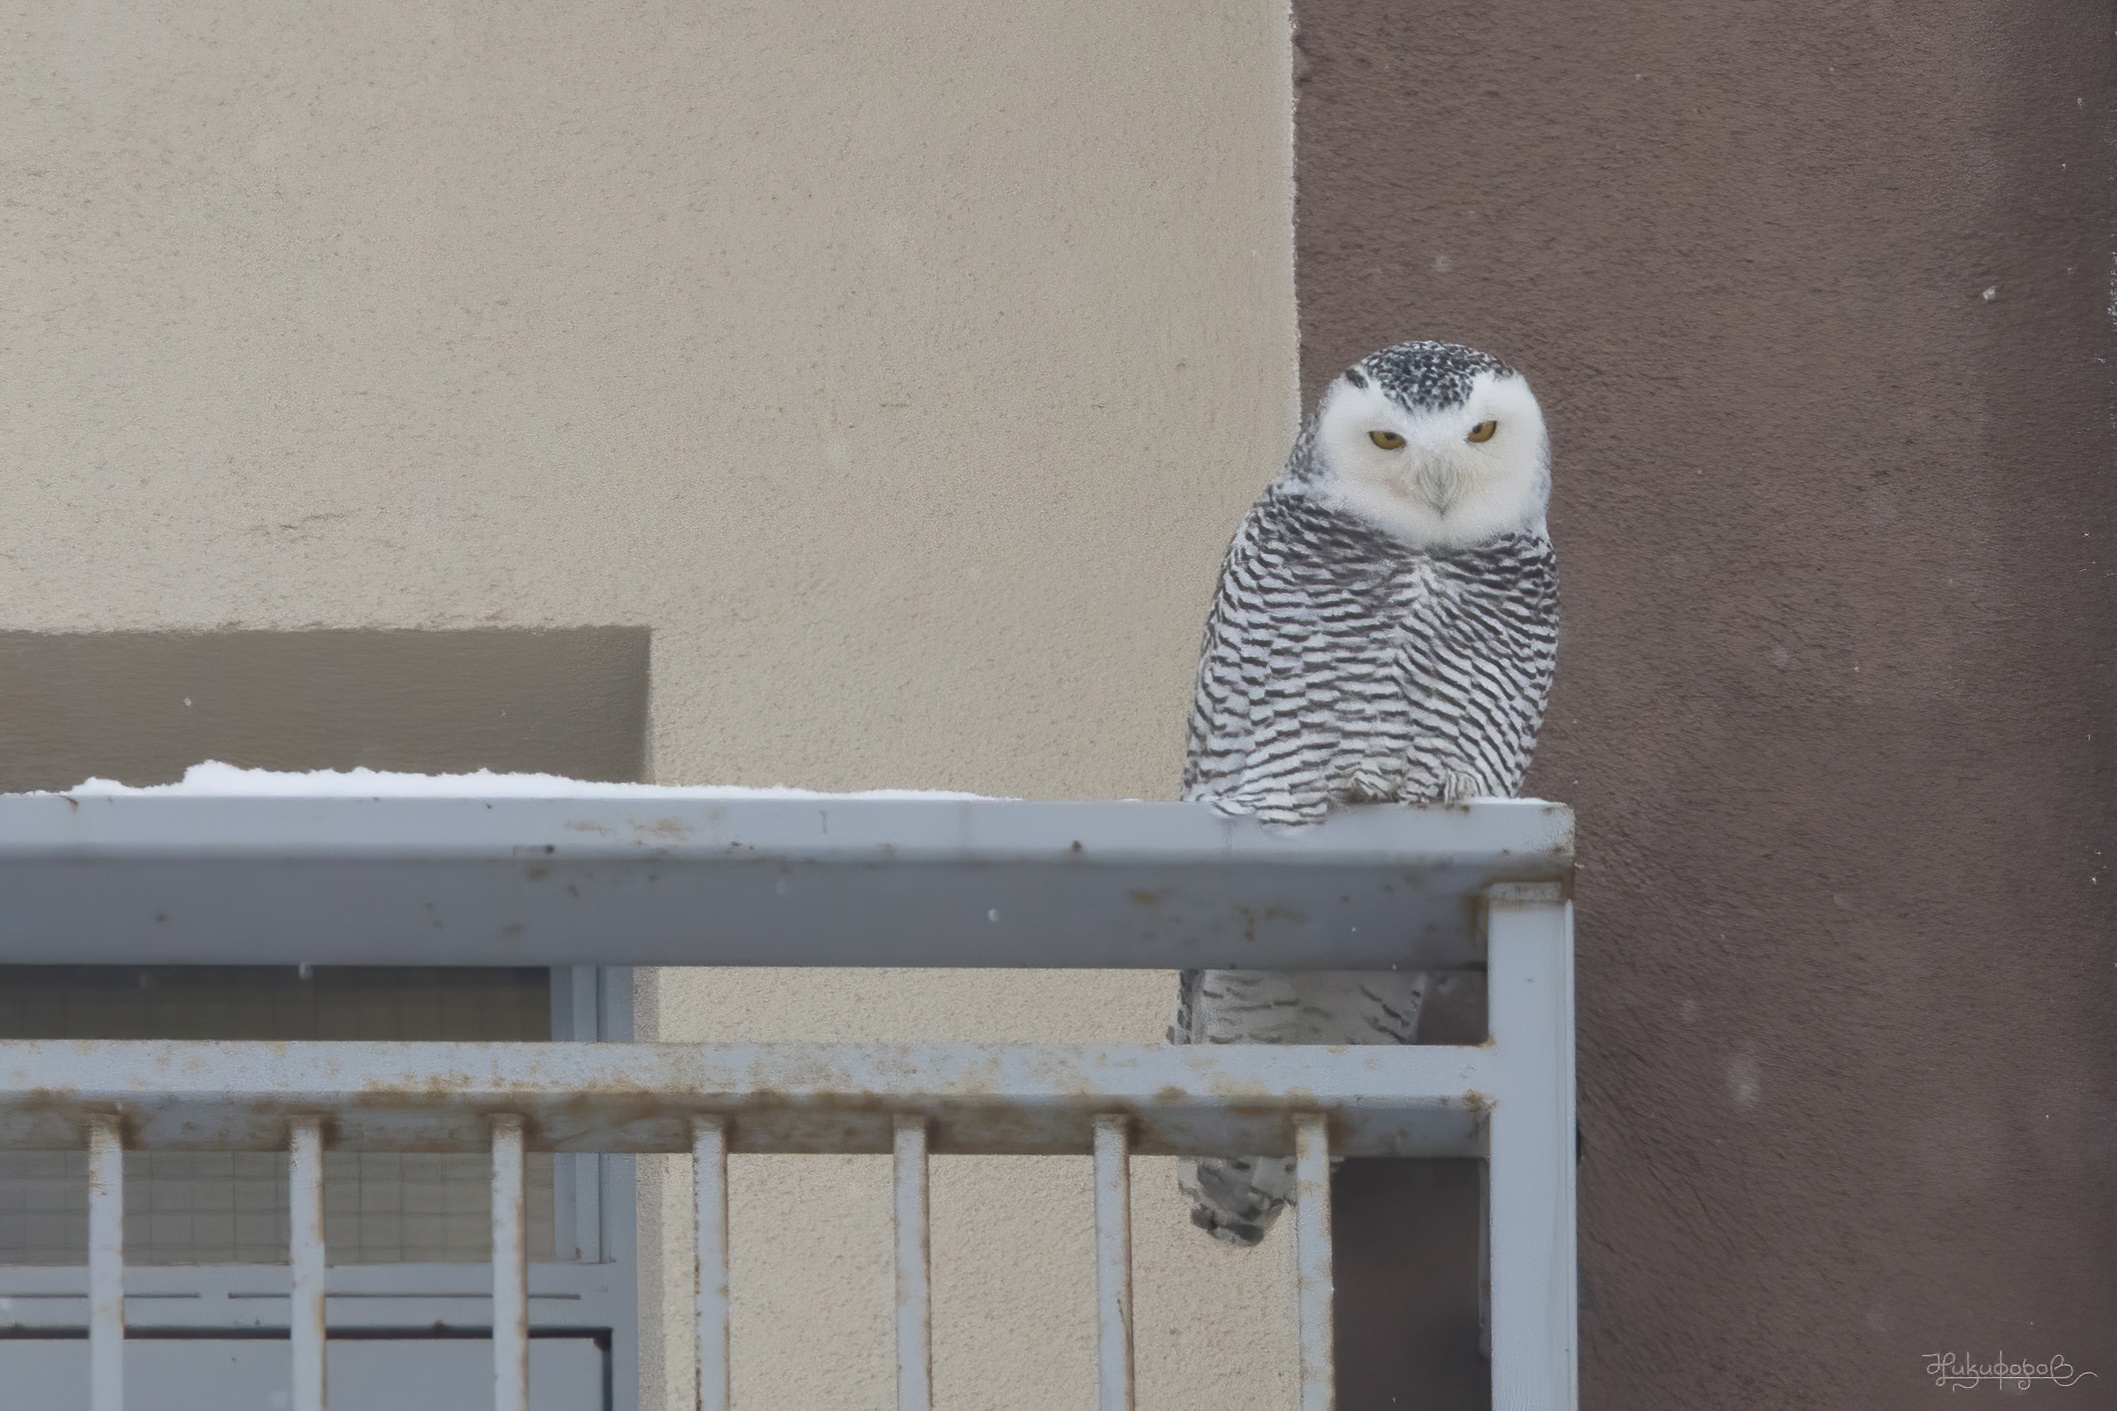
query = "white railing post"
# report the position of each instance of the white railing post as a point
(305, 1260)
(106, 1264)
(1531, 1213)
(709, 1166)
(510, 1269)
(1113, 1263)
(1312, 1262)
(915, 1328)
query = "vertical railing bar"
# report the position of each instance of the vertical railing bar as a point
(585, 1171)
(709, 1162)
(1312, 1260)
(565, 982)
(1113, 1262)
(305, 1260)
(106, 1264)
(914, 1291)
(510, 1269)
(1484, 1260)
(1531, 1146)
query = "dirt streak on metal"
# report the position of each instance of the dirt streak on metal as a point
(1006, 1100)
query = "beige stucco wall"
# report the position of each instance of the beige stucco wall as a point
(903, 366)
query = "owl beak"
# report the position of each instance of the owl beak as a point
(1439, 483)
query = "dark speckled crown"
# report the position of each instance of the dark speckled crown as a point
(1425, 375)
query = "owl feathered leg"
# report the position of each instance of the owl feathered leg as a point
(1236, 1198)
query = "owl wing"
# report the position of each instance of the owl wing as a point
(1474, 660)
(1297, 680)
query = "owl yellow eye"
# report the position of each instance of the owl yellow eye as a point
(1387, 440)
(1482, 431)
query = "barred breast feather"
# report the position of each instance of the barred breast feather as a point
(1342, 665)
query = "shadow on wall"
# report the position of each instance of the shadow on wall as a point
(140, 707)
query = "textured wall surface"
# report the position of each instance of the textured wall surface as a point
(1835, 690)
(902, 367)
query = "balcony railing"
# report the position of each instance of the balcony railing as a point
(643, 879)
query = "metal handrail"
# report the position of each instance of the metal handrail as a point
(527, 882)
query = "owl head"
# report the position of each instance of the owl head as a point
(1438, 444)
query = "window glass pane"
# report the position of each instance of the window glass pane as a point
(231, 1207)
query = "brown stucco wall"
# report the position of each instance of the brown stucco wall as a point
(1834, 694)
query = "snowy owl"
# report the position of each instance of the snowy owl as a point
(1383, 632)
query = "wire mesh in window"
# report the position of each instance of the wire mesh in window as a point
(231, 1207)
